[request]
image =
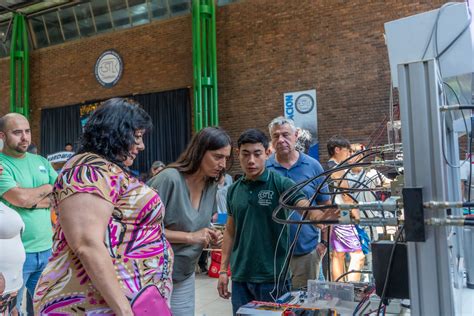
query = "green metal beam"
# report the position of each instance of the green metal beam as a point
(204, 64)
(19, 67)
(213, 68)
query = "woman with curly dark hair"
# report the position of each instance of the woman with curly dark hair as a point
(109, 243)
(188, 188)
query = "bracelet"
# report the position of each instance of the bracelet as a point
(223, 272)
(325, 243)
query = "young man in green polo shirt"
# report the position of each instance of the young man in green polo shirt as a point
(256, 245)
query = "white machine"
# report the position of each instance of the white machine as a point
(432, 61)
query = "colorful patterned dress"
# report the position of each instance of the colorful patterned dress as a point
(134, 239)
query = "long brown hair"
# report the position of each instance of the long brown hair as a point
(209, 138)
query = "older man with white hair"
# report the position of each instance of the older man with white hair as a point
(298, 166)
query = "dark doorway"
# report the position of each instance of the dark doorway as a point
(170, 112)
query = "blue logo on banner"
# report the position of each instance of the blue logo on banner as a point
(289, 106)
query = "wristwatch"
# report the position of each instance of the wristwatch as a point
(325, 243)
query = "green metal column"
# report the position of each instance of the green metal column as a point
(19, 67)
(204, 64)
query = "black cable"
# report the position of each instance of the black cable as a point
(466, 27)
(354, 228)
(362, 310)
(356, 190)
(338, 191)
(431, 35)
(389, 268)
(291, 250)
(328, 254)
(289, 194)
(352, 271)
(369, 181)
(365, 153)
(437, 54)
(469, 136)
(460, 107)
(443, 149)
(277, 279)
(437, 57)
(434, 31)
(470, 172)
(358, 183)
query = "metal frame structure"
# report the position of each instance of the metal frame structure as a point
(19, 67)
(431, 286)
(136, 13)
(204, 49)
(204, 64)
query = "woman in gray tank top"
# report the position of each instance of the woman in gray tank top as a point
(188, 189)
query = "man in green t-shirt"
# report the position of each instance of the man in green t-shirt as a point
(255, 245)
(25, 185)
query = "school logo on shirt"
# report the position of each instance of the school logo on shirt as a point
(42, 169)
(265, 197)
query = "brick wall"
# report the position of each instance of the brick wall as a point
(265, 48)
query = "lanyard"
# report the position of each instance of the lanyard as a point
(164, 274)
